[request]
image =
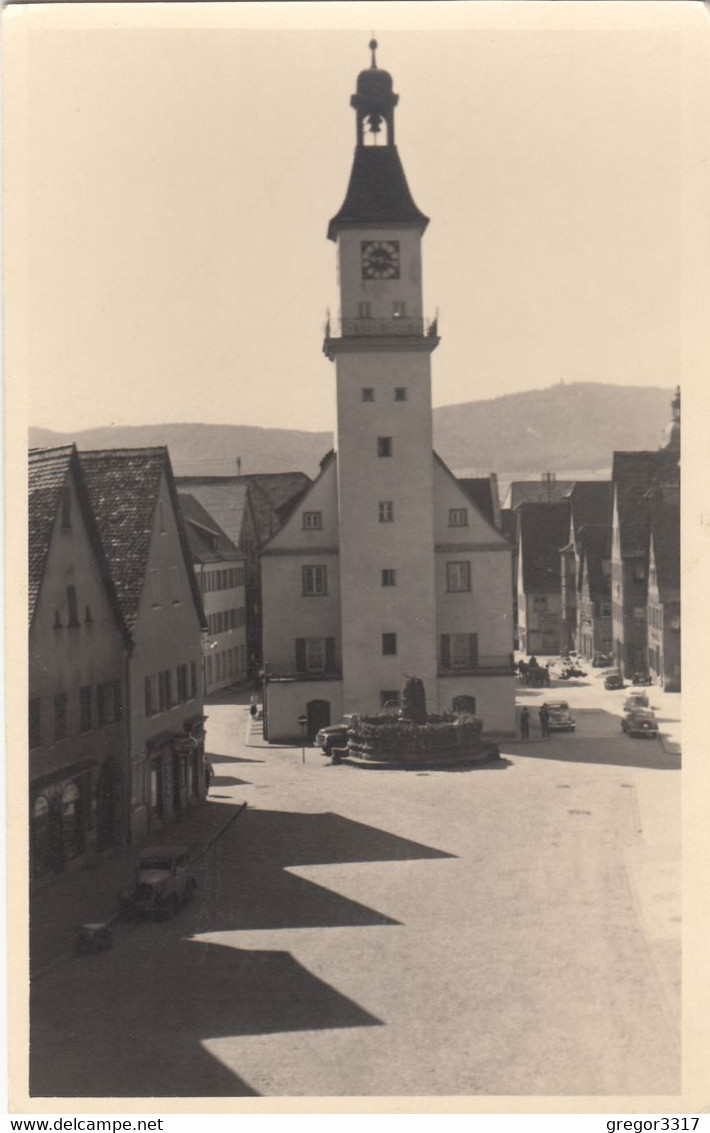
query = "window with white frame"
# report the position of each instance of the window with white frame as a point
(315, 581)
(458, 517)
(368, 393)
(313, 520)
(458, 650)
(400, 393)
(389, 577)
(386, 511)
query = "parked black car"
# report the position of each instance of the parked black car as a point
(613, 680)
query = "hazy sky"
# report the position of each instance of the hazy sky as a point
(182, 164)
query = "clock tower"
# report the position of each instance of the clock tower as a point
(387, 566)
(381, 345)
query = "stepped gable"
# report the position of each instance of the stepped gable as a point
(544, 528)
(206, 538)
(123, 486)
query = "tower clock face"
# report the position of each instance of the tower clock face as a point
(380, 259)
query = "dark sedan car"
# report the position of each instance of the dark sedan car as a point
(640, 722)
(613, 680)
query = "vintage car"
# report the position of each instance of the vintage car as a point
(601, 660)
(613, 679)
(640, 722)
(635, 700)
(336, 735)
(560, 718)
(163, 883)
(641, 679)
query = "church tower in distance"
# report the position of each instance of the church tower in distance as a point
(388, 566)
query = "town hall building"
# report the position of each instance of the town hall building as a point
(387, 567)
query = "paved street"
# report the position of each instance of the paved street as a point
(513, 929)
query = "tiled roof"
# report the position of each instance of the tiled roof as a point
(123, 487)
(537, 491)
(378, 192)
(480, 490)
(544, 528)
(665, 529)
(281, 487)
(208, 542)
(224, 497)
(590, 503)
(48, 469)
(634, 475)
(48, 473)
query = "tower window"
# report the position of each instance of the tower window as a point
(368, 393)
(458, 517)
(400, 393)
(458, 577)
(389, 577)
(399, 309)
(386, 511)
(312, 520)
(315, 581)
(389, 644)
(364, 310)
(384, 446)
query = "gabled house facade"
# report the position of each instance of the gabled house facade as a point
(664, 652)
(543, 529)
(590, 521)
(636, 476)
(134, 499)
(220, 572)
(594, 628)
(79, 647)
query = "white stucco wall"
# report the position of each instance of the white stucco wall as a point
(287, 700)
(495, 700)
(380, 293)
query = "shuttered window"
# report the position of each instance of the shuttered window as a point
(458, 650)
(315, 654)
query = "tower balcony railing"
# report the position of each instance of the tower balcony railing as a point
(375, 328)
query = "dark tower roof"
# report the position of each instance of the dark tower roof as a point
(378, 192)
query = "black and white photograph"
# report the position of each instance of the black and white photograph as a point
(352, 350)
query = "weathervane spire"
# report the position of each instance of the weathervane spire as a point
(373, 48)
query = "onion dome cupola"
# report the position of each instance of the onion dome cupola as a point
(378, 192)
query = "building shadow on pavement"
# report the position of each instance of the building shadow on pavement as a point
(260, 892)
(136, 1021)
(213, 757)
(183, 994)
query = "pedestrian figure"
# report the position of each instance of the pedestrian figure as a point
(525, 724)
(544, 721)
(209, 772)
(254, 707)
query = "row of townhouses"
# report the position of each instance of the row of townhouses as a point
(140, 604)
(597, 563)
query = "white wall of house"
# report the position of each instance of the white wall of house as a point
(287, 700)
(166, 635)
(495, 700)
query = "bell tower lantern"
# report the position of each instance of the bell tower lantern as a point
(374, 102)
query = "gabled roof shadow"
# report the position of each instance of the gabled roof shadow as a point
(181, 997)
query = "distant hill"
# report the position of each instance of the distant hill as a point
(575, 426)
